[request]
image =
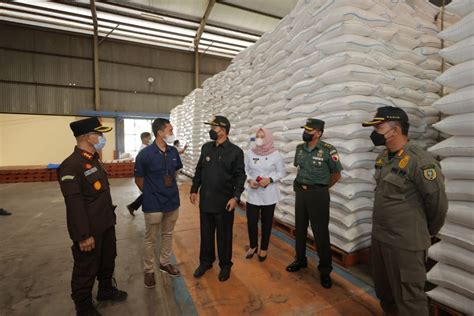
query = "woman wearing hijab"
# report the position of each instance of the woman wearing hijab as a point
(264, 166)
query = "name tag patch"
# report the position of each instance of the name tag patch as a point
(90, 171)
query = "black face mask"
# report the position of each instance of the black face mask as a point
(307, 137)
(213, 134)
(379, 139)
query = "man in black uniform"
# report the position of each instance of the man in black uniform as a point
(220, 178)
(90, 217)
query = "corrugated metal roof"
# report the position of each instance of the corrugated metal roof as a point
(231, 26)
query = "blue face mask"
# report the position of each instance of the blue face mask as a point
(101, 143)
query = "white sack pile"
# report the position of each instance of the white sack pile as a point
(453, 272)
(337, 61)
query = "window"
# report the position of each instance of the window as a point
(132, 130)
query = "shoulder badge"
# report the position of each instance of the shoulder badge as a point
(328, 146)
(335, 157)
(87, 155)
(404, 162)
(379, 163)
(430, 173)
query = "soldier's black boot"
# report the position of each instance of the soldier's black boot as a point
(108, 291)
(297, 265)
(90, 312)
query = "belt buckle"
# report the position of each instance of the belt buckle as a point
(304, 187)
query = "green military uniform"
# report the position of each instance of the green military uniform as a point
(410, 206)
(315, 166)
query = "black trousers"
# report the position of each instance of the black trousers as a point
(223, 224)
(265, 214)
(98, 263)
(137, 203)
(313, 206)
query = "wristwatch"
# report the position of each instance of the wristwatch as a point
(271, 180)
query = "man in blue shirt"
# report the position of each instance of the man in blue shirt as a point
(155, 175)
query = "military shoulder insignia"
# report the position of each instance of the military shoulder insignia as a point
(430, 174)
(329, 146)
(68, 177)
(87, 155)
(335, 157)
(404, 162)
(379, 163)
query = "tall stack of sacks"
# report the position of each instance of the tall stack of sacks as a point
(343, 60)
(177, 119)
(190, 128)
(454, 253)
(338, 61)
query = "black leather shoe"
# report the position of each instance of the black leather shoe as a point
(4, 212)
(326, 281)
(296, 266)
(108, 292)
(90, 312)
(199, 272)
(224, 275)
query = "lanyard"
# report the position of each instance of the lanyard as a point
(163, 153)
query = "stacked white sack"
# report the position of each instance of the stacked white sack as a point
(190, 128)
(177, 119)
(453, 272)
(338, 61)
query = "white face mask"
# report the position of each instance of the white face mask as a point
(259, 142)
(169, 139)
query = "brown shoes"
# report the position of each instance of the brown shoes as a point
(150, 280)
(170, 269)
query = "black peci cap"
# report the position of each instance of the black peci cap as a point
(313, 124)
(387, 113)
(88, 125)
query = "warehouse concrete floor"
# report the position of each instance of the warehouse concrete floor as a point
(36, 263)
